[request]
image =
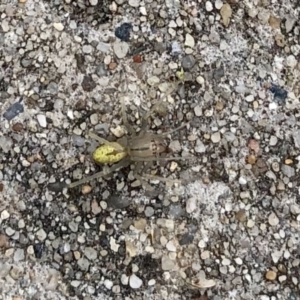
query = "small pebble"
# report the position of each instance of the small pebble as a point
(121, 49)
(208, 6)
(273, 140)
(86, 189)
(93, 2)
(135, 282)
(215, 137)
(189, 41)
(271, 275)
(13, 111)
(58, 26)
(42, 120)
(273, 219)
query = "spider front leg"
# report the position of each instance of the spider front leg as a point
(123, 163)
(124, 117)
(138, 167)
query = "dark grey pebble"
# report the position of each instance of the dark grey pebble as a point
(123, 32)
(57, 186)
(13, 111)
(279, 93)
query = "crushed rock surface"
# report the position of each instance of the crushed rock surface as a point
(230, 229)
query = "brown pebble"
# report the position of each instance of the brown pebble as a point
(4, 242)
(17, 127)
(271, 275)
(253, 145)
(112, 65)
(206, 180)
(241, 215)
(251, 159)
(137, 58)
(80, 104)
(30, 159)
(86, 189)
(280, 40)
(274, 22)
(1, 187)
(282, 268)
(288, 161)
(219, 106)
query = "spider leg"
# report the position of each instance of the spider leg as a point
(101, 140)
(160, 178)
(174, 130)
(98, 138)
(124, 117)
(147, 115)
(105, 172)
(140, 175)
(145, 159)
(123, 80)
(137, 169)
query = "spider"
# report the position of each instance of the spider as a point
(140, 149)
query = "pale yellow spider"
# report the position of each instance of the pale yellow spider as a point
(145, 147)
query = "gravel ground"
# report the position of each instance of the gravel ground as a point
(230, 229)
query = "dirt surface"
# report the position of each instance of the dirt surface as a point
(230, 230)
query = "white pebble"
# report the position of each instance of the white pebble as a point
(238, 261)
(93, 2)
(273, 219)
(189, 41)
(216, 137)
(225, 262)
(108, 284)
(250, 98)
(171, 246)
(152, 81)
(151, 282)
(291, 61)
(118, 131)
(143, 11)
(42, 120)
(191, 205)
(25, 163)
(124, 279)
(242, 181)
(273, 140)
(208, 6)
(198, 111)
(218, 4)
(5, 215)
(282, 278)
(273, 106)
(94, 119)
(5, 26)
(121, 49)
(200, 80)
(58, 26)
(41, 235)
(135, 282)
(134, 3)
(250, 223)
